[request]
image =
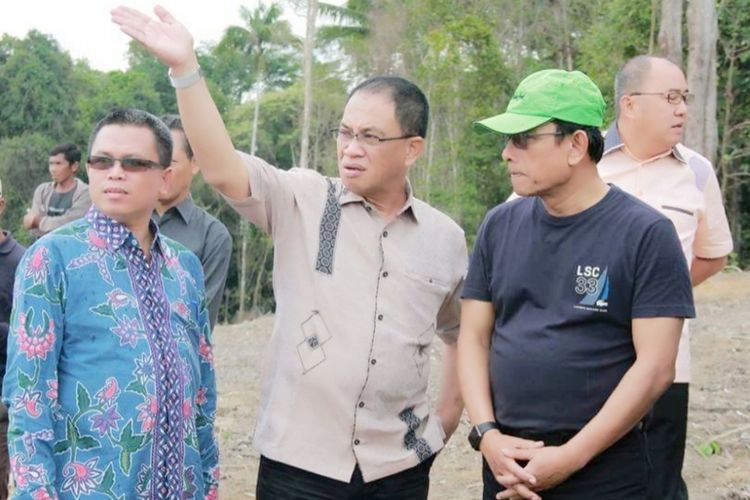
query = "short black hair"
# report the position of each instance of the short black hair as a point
(596, 140)
(70, 151)
(175, 123)
(412, 108)
(139, 118)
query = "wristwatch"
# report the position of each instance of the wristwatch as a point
(187, 80)
(478, 431)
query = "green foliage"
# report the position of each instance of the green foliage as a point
(619, 32)
(23, 165)
(35, 85)
(709, 448)
(259, 52)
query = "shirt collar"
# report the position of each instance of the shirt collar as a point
(410, 207)
(185, 209)
(116, 234)
(613, 142)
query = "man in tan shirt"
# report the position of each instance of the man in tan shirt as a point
(643, 156)
(365, 275)
(64, 199)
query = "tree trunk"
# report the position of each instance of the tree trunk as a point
(701, 132)
(567, 54)
(244, 226)
(312, 14)
(244, 229)
(267, 246)
(670, 31)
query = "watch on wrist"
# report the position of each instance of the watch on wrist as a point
(478, 431)
(187, 80)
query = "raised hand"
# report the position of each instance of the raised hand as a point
(166, 38)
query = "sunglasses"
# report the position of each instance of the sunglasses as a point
(132, 165)
(521, 141)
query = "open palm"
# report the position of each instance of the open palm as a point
(166, 38)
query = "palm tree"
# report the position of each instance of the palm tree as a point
(263, 45)
(349, 22)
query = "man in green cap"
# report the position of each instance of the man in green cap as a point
(573, 305)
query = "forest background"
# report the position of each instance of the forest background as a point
(467, 55)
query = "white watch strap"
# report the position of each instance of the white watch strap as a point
(185, 81)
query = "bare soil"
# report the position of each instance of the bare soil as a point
(719, 403)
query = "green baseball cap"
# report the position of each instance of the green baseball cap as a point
(549, 94)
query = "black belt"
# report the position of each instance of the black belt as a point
(555, 438)
(551, 438)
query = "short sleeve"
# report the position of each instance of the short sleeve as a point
(662, 285)
(477, 284)
(712, 238)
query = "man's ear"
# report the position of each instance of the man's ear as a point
(626, 106)
(579, 147)
(2, 205)
(415, 147)
(194, 166)
(165, 178)
(74, 166)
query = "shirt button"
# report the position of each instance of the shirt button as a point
(385, 234)
(356, 442)
(373, 361)
(385, 274)
(361, 404)
(368, 208)
(380, 317)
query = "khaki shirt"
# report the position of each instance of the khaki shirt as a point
(358, 303)
(40, 205)
(682, 185)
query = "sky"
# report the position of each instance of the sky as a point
(83, 27)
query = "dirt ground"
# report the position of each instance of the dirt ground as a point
(719, 403)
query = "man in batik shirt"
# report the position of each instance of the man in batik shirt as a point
(110, 382)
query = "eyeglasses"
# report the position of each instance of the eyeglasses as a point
(521, 141)
(344, 137)
(132, 165)
(673, 97)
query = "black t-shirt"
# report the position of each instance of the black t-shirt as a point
(59, 203)
(565, 290)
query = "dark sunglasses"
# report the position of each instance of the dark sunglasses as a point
(127, 164)
(521, 141)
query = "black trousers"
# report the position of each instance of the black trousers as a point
(278, 481)
(618, 473)
(666, 430)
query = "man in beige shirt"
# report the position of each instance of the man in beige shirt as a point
(643, 156)
(365, 275)
(64, 199)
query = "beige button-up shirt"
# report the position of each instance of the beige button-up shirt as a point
(682, 185)
(358, 303)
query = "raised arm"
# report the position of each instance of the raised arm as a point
(170, 42)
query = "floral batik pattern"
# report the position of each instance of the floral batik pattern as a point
(110, 381)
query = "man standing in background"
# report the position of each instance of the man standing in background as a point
(180, 219)
(644, 157)
(10, 255)
(64, 199)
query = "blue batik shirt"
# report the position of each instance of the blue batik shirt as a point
(110, 384)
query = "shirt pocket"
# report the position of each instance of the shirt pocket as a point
(428, 291)
(685, 221)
